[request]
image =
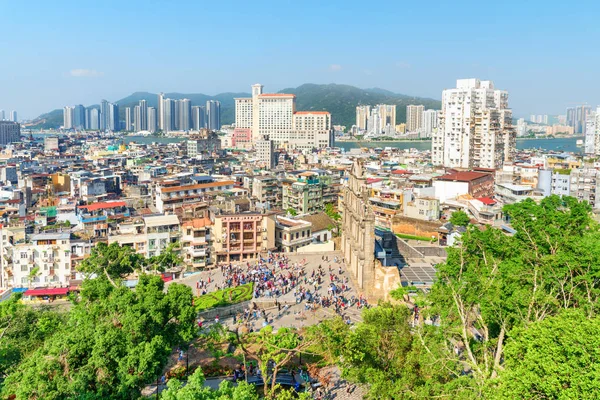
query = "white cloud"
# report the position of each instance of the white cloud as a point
(85, 73)
(335, 67)
(402, 64)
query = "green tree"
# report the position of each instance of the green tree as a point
(167, 259)
(557, 358)
(112, 261)
(330, 211)
(195, 390)
(460, 218)
(22, 330)
(114, 341)
(292, 212)
(493, 283)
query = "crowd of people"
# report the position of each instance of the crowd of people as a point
(276, 276)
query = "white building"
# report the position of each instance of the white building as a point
(275, 115)
(474, 127)
(592, 133)
(44, 261)
(68, 117)
(362, 116)
(414, 117)
(429, 122)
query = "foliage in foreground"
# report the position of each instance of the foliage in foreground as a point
(113, 341)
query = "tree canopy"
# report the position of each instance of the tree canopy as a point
(113, 341)
(460, 218)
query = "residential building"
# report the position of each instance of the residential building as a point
(198, 117)
(561, 182)
(94, 120)
(362, 116)
(13, 116)
(185, 114)
(304, 196)
(291, 234)
(208, 144)
(414, 117)
(267, 192)
(9, 132)
(474, 127)
(454, 184)
(161, 231)
(104, 116)
(152, 128)
(429, 122)
(168, 198)
(68, 117)
(169, 115)
(128, 120)
(2, 115)
(265, 152)
(421, 207)
(592, 133)
(321, 227)
(240, 237)
(213, 115)
(137, 119)
(50, 253)
(585, 185)
(196, 242)
(79, 117)
(93, 218)
(51, 144)
(161, 112)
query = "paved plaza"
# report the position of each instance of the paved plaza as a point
(292, 314)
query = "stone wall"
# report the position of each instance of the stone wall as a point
(416, 227)
(431, 251)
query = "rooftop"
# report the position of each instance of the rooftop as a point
(462, 176)
(161, 220)
(197, 186)
(104, 205)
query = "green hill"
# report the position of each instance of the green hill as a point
(339, 100)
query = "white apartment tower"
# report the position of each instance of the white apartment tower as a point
(274, 115)
(429, 122)
(414, 117)
(68, 117)
(265, 152)
(362, 117)
(474, 127)
(592, 133)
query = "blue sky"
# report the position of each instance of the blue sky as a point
(57, 53)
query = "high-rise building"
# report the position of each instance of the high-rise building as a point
(128, 120)
(2, 115)
(137, 119)
(68, 117)
(474, 127)
(152, 120)
(265, 152)
(362, 116)
(160, 111)
(429, 122)
(243, 113)
(199, 117)
(104, 115)
(79, 117)
(94, 122)
(184, 114)
(112, 123)
(387, 113)
(213, 115)
(275, 115)
(592, 133)
(143, 115)
(581, 115)
(169, 115)
(414, 117)
(10, 132)
(13, 116)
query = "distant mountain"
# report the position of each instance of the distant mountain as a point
(339, 100)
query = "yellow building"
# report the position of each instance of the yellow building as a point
(61, 182)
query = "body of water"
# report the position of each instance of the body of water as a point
(560, 144)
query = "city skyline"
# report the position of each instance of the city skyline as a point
(85, 73)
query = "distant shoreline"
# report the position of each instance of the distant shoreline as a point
(429, 140)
